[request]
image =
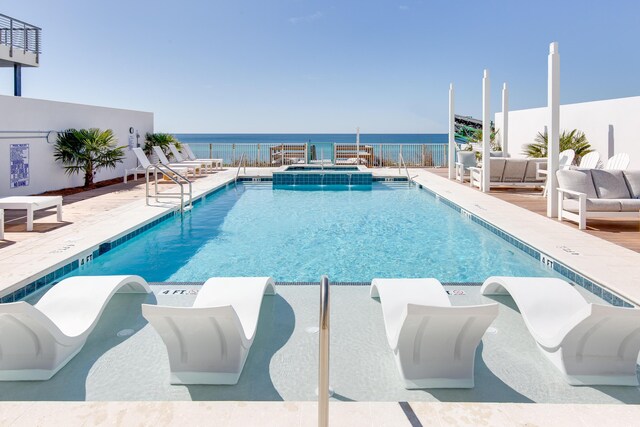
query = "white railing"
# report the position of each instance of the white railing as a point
(275, 154)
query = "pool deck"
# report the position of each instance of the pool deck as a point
(348, 414)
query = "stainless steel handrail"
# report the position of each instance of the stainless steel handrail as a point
(19, 34)
(323, 360)
(242, 157)
(402, 162)
(157, 195)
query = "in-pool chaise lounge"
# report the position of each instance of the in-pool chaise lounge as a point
(206, 164)
(36, 341)
(208, 343)
(191, 156)
(591, 344)
(434, 343)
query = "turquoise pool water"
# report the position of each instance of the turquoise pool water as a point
(298, 235)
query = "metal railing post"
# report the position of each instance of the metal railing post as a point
(11, 37)
(323, 366)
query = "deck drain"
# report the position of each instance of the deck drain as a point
(492, 330)
(311, 329)
(125, 332)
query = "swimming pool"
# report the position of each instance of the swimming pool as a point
(382, 230)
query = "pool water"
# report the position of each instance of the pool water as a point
(383, 230)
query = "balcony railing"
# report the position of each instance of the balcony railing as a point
(19, 35)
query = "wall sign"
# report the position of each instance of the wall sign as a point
(132, 142)
(18, 165)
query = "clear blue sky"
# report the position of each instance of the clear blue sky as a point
(324, 66)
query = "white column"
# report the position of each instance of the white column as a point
(358, 144)
(504, 132)
(486, 132)
(452, 136)
(553, 138)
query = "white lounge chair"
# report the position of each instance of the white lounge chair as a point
(209, 342)
(144, 164)
(36, 341)
(194, 168)
(434, 343)
(32, 204)
(589, 160)
(618, 162)
(206, 164)
(591, 344)
(189, 152)
(566, 158)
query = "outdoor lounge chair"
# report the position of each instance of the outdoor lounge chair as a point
(194, 168)
(206, 164)
(589, 160)
(618, 162)
(144, 164)
(209, 342)
(36, 341)
(434, 343)
(591, 344)
(31, 204)
(191, 156)
(466, 160)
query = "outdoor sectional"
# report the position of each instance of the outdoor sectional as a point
(589, 193)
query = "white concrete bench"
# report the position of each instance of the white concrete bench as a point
(31, 204)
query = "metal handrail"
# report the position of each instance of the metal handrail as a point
(323, 359)
(19, 34)
(402, 162)
(157, 195)
(242, 157)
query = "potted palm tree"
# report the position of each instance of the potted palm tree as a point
(161, 140)
(87, 151)
(575, 140)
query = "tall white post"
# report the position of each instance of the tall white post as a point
(505, 121)
(553, 137)
(486, 133)
(358, 145)
(452, 135)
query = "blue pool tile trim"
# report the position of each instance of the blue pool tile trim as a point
(560, 268)
(53, 277)
(306, 178)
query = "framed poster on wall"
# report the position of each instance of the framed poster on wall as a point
(18, 165)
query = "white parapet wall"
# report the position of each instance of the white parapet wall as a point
(612, 126)
(27, 121)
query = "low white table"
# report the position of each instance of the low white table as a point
(31, 204)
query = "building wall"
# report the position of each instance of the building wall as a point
(40, 116)
(612, 126)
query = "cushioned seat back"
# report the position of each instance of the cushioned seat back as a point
(530, 172)
(514, 170)
(497, 168)
(467, 158)
(633, 182)
(610, 184)
(577, 180)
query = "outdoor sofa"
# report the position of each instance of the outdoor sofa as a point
(507, 172)
(589, 193)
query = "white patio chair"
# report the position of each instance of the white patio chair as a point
(36, 341)
(564, 162)
(207, 165)
(434, 343)
(189, 152)
(619, 162)
(191, 167)
(209, 342)
(591, 344)
(145, 163)
(589, 160)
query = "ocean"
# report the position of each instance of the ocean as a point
(292, 138)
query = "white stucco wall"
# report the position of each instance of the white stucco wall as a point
(612, 126)
(25, 114)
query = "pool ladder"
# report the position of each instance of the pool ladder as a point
(401, 163)
(171, 174)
